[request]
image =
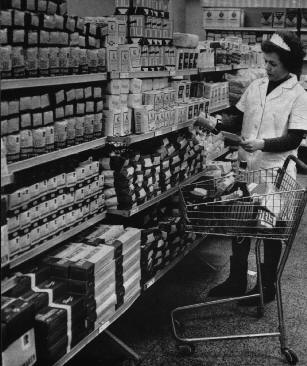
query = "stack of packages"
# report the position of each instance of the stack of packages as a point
(212, 144)
(124, 270)
(150, 28)
(162, 237)
(38, 124)
(240, 81)
(59, 315)
(52, 200)
(17, 332)
(122, 95)
(187, 52)
(38, 38)
(120, 189)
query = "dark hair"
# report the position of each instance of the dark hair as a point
(293, 60)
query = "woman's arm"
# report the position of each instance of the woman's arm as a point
(290, 141)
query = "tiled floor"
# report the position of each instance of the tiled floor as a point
(146, 326)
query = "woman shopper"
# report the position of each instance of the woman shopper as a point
(272, 118)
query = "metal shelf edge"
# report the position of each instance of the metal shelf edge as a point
(55, 241)
(54, 155)
(9, 84)
(96, 332)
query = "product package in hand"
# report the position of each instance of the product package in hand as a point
(205, 121)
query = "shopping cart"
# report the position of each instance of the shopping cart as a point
(272, 211)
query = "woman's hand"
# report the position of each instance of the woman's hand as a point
(252, 145)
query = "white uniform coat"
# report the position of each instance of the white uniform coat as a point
(269, 116)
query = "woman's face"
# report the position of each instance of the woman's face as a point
(274, 68)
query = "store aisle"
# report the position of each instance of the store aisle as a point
(146, 326)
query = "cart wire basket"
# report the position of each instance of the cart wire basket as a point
(271, 208)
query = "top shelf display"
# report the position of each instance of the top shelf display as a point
(255, 3)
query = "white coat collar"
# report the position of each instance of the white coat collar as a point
(288, 84)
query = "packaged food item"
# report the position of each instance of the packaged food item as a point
(71, 131)
(54, 61)
(88, 127)
(50, 145)
(60, 134)
(44, 61)
(79, 128)
(26, 144)
(18, 62)
(6, 62)
(64, 54)
(39, 140)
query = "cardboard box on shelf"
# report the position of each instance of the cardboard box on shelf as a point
(266, 19)
(279, 19)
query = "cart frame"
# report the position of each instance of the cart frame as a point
(186, 345)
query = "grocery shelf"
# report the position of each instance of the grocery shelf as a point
(303, 30)
(7, 284)
(131, 139)
(102, 327)
(254, 3)
(10, 84)
(171, 191)
(154, 74)
(6, 180)
(144, 74)
(55, 241)
(54, 155)
(178, 259)
(248, 29)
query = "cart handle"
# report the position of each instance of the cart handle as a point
(283, 170)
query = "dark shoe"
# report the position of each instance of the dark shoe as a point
(268, 296)
(236, 283)
(228, 288)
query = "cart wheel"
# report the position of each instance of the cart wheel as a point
(179, 326)
(185, 349)
(290, 356)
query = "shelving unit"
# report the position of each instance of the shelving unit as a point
(165, 270)
(254, 3)
(30, 254)
(101, 328)
(249, 29)
(58, 154)
(12, 84)
(170, 192)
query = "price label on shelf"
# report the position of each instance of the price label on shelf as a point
(174, 128)
(124, 75)
(172, 73)
(103, 327)
(134, 211)
(149, 283)
(158, 133)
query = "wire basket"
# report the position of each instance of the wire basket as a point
(271, 211)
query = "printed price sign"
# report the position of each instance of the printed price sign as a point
(172, 73)
(103, 327)
(174, 128)
(158, 133)
(149, 283)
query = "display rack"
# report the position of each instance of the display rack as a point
(165, 270)
(132, 139)
(169, 192)
(249, 29)
(30, 254)
(101, 328)
(54, 155)
(12, 84)
(254, 3)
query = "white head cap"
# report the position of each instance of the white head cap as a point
(278, 41)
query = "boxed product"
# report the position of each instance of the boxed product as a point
(279, 19)
(291, 18)
(266, 19)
